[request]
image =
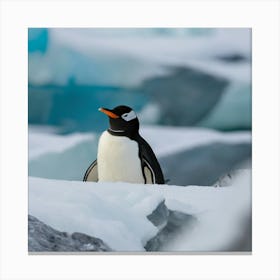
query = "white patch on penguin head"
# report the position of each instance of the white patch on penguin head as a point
(129, 116)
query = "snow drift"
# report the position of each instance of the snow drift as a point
(117, 213)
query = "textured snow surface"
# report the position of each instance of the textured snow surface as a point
(223, 214)
(117, 212)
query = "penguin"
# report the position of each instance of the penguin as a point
(123, 155)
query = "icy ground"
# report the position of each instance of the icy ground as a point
(117, 213)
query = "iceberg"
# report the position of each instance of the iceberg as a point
(107, 56)
(86, 68)
(233, 111)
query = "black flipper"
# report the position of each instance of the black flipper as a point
(91, 174)
(150, 166)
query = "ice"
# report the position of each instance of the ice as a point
(93, 56)
(234, 109)
(87, 68)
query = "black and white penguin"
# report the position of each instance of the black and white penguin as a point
(123, 155)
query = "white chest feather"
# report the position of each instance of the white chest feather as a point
(118, 159)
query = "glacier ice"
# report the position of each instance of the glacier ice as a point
(233, 110)
(81, 69)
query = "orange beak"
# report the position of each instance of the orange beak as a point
(108, 113)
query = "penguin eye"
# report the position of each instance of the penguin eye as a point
(129, 116)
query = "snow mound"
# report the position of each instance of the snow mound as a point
(117, 212)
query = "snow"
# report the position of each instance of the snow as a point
(222, 215)
(168, 140)
(150, 114)
(163, 139)
(237, 72)
(45, 140)
(116, 212)
(68, 156)
(162, 49)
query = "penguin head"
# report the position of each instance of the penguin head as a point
(122, 119)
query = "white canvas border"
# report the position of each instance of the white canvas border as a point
(262, 16)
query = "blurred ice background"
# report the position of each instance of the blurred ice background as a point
(178, 77)
(191, 89)
(175, 77)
